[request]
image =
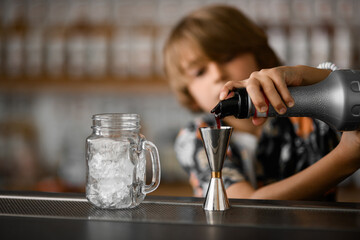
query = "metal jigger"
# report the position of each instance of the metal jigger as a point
(216, 142)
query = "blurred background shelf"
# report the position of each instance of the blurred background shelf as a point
(84, 85)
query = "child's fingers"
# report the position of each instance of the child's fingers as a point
(257, 97)
(282, 88)
(271, 92)
(230, 86)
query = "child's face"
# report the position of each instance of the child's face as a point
(208, 77)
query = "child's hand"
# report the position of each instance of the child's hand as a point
(350, 146)
(273, 84)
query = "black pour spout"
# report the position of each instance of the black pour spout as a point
(237, 106)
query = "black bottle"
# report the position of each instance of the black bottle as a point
(335, 100)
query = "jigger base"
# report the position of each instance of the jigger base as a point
(216, 199)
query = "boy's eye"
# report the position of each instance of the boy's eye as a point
(200, 72)
(197, 72)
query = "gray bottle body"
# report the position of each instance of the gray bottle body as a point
(335, 100)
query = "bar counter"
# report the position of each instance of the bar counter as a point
(37, 215)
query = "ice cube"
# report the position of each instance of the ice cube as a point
(110, 173)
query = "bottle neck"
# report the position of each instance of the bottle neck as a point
(116, 124)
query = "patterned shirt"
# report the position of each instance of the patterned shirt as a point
(285, 147)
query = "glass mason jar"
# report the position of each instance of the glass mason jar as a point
(116, 162)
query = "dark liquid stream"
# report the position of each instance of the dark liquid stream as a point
(218, 123)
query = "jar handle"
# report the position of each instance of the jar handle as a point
(156, 169)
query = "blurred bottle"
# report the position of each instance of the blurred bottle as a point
(15, 31)
(96, 61)
(34, 53)
(120, 52)
(76, 49)
(98, 39)
(142, 55)
(54, 63)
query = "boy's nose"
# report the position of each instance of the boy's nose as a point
(219, 71)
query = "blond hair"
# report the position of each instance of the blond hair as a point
(218, 33)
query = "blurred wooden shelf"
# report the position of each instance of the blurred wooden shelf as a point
(177, 189)
(84, 85)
